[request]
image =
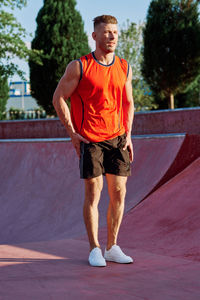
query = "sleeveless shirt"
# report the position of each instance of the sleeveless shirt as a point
(96, 103)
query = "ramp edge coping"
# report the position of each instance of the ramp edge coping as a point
(39, 140)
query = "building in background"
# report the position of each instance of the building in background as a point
(21, 105)
(20, 97)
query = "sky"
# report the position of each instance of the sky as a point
(134, 10)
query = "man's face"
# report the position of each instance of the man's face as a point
(106, 37)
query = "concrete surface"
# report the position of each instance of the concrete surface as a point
(43, 247)
(42, 196)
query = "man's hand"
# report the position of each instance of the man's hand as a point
(129, 146)
(76, 140)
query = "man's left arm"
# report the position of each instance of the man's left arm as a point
(128, 111)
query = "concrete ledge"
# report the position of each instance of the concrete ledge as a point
(58, 140)
(167, 121)
(145, 123)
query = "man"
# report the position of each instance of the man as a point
(100, 87)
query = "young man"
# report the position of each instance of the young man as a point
(100, 87)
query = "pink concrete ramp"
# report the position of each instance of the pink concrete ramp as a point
(167, 222)
(41, 194)
(41, 256)
(161, 233)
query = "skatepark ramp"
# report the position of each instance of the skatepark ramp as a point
(41, 194)
(43, 245)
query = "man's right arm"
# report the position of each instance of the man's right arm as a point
(64, 90)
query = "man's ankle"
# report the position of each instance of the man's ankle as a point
(109, 246)
(94, 246)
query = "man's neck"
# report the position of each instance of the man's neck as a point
(104, 58)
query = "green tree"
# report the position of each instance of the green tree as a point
(191, 96)
(171, 47)
(4, 90)
(11, 39)
(60, 34)
(130, 44)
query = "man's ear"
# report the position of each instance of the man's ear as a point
(94, 35)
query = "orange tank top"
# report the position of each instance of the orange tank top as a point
(96, 104)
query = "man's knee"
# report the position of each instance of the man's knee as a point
(116, 184)
(118, 193)
(117, 190)
(93, 188)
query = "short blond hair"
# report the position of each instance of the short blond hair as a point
(104, 19)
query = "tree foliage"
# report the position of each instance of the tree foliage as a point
(4, 90)
(191, 96)
(129, 47)
(171, 46)
(60, 34)
(12, 36)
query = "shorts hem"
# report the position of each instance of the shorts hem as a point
(118, 174)
(90, 176)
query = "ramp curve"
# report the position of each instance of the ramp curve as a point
(41, 194)
(167, 222)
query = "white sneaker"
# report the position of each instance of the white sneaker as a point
(115, 254)
(96, 258)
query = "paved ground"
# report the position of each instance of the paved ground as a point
(43, 248)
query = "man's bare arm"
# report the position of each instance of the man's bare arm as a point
(128, 109)
(64, 90)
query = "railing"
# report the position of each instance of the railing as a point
(16, 114)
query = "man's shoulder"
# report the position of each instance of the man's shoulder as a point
(123, 64)
(84, 61)
(85, 57)
(121, 60)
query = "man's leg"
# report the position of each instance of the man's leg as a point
(93, 189)
(117, 192)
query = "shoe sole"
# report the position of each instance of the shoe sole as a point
(118, 262)
(99, 266)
